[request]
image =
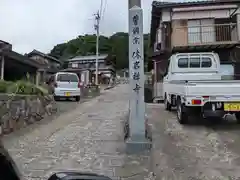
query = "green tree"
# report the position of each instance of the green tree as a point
(115, 45)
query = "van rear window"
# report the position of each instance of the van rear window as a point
(67, 78)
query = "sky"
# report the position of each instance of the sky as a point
(42, 24)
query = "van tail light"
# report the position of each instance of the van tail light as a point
(55, 85)
(196, 101)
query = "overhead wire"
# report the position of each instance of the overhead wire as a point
(101, 8)
(104, 8)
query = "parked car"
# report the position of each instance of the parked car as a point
(66, 85)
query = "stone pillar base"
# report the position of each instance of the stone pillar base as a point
(134, 146)
(139, 142)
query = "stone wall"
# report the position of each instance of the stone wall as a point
(17, 111)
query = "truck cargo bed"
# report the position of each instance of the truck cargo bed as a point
(206, 88)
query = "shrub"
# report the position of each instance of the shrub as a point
(26, 88)
(4, 85)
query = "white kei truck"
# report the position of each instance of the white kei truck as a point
(193, 84)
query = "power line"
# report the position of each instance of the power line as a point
(104, 9)
(101, 8)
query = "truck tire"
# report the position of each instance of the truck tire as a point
(237, 115)
(56, 98)
(167, 105)
(77, 98)
(182, 115)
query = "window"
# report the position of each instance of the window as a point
(183, 63)
(67, 78)
(206, 62)
(194, 63)
(74, 65)
(201, 31)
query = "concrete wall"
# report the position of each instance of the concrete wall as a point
(158, 90)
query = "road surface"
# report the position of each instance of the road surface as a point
(89, 138)
(195, 151)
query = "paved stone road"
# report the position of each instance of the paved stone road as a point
(196, 151)
(88, 138)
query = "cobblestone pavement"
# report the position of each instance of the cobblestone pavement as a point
(88, 138)
(195, 151)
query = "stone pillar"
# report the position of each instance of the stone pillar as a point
(137, 140)
(132, 3)
(238, 26)
(2, 67)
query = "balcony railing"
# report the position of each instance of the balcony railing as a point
(205, 35)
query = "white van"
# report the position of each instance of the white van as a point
(65, 84)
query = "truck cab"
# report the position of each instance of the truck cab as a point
(193, 82)
(193, 66)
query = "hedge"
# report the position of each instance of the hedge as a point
(21, 87)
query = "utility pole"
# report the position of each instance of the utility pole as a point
(96, 27)
(137, 140)
(132, 3)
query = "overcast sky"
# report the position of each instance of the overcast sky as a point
(41, 24)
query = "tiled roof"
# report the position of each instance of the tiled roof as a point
(21, 58)
(91, 57)
(164, 4)
(44, 55)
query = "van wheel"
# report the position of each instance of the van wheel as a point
(167, 105)
(182, 115)
(77, 98)
(237, 115)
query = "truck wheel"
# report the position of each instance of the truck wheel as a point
(238, 117)
(167, 105)
(56, 98)
(77, 98)
(181, 114)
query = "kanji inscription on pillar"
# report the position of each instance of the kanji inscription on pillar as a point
(136, 67)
